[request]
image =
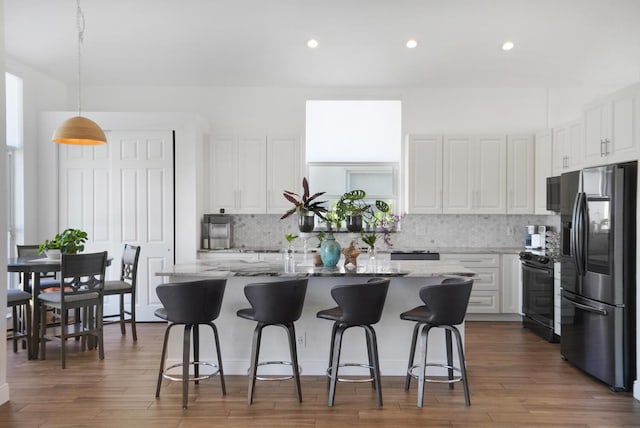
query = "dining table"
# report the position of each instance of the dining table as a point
(33, 268)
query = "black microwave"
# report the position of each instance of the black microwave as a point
(553, 194)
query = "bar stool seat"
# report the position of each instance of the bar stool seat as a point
(445, 305)
(276, 303)
(190, 304)
(18, 299)
(359, 305)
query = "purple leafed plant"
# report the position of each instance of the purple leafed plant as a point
(304, 202)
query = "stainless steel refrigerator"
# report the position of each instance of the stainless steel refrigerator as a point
(598, 262)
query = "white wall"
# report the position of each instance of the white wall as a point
(4, 386)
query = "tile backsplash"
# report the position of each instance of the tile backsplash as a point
(417, 231)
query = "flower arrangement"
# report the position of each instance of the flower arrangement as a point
(382, 221)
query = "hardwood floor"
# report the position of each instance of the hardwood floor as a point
(516, 380)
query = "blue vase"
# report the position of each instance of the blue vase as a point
(330, 251)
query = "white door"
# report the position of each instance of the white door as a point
(123, 193)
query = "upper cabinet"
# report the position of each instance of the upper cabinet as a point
(247, 175)
(610, 128)
(566, 147)
(423, 169)
(474, 174)
(520, 174)
(284, 163)
(543, 170)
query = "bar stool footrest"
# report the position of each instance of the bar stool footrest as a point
(349, 380)
(166, 375)
(431, 379)
(272, 378)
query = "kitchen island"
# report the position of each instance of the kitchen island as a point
(313, 334)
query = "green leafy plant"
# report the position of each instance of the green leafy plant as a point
(370, 239)
(352, 203)
(70, 241)
(320, 237)
(304, 202)
(290, 238)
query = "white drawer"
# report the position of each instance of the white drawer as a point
(473, 260)
(486, 279)
(482, 302)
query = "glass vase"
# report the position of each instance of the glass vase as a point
(372, 262)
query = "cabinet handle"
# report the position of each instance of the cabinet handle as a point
(606, 146)
(602, 147)
(470, 261)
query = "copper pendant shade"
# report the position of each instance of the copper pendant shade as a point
(81, 131)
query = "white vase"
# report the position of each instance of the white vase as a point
(53, 254)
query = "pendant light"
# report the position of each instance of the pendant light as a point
(79, 130)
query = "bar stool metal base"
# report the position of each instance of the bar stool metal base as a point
(433, 379)
(350, 380)
(199, 377)
(271, 363)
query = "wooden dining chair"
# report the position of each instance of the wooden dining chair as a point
(47, 279)
(82, 276)
(125, 285)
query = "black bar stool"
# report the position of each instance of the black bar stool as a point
(274, 303)
(190, 304)
(445, 305)
(359, 305)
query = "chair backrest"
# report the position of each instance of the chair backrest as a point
(192, 302)
(277, 302)
(31, 252)
(82, 274)
(129, 266)
(447, 301)
(361, 303)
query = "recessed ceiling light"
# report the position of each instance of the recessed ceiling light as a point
(411, 43)
(312, 43)
(507, 46)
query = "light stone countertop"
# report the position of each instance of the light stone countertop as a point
(228, 268)
(441, 250)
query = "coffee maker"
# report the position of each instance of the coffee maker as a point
(216, 232)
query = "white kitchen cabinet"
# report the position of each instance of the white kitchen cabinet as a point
(423, 160)
(520, 174)
(485, 294)
(247, 175)
(284, 164)
(610, 128)
(567, 147)
(474, 176)
(542, 164)
(511, 284)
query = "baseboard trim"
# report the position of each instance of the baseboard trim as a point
(4, 393)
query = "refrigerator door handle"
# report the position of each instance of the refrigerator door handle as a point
(579, 232)
(587, 307)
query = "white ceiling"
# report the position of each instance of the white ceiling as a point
(559, 43)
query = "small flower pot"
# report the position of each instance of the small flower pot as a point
(354, 223)
(306, 222)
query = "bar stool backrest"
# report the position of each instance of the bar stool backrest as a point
(447, 302)
(361, 303)
(82, 274)
(129, 264)
(192, 302)
(277, 302)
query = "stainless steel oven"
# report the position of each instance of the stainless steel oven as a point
(538, 294)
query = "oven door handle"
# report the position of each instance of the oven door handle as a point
(587, 307)
(547, 272)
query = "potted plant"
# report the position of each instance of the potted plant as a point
(306, 206)
(70, 241)
(352, 206)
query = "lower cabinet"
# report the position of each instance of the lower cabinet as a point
(485, 295)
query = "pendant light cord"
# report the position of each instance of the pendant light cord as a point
(80, 26)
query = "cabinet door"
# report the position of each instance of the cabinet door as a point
(284, 163)
(251, 172)
(543, 170)
(575, 134)
(511, 281)
(222, 179)
(459, 174)
(560, 149)
(491, 174)
(620, 144)
(424, 174)
(520, 174)
(595, 133)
